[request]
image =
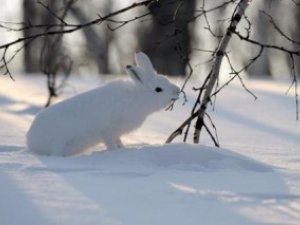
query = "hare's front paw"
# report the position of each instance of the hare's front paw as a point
(114, 143)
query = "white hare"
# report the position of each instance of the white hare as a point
(103, 114)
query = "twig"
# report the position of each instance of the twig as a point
(211, 135)
(203, 11)
(237, 74)
(215, 139)
(278, 29)
(52, 13)
(122, 23)
(295, 84)
(263, 45)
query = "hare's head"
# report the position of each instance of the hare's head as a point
(161, 91)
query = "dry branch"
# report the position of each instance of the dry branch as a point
(212, 78)
(220, 52)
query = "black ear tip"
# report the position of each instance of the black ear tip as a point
(128, 66)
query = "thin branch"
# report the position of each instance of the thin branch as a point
(78, 26)
(263, 45)
(208, 24)
(52, 13)
(187, 122)
(203, 11)
(3, 59)
(215, 139)
(211, 135)
(122, 23)
(237, 74)
(295, 84)
(179, 130)
(278, 29)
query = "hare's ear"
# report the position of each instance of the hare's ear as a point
(136, 73)
(143, 61)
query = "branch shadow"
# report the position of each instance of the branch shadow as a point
(16, 206)
(27, 109)
(256, 125)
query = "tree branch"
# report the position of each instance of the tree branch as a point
(67, 28)
(237, 15)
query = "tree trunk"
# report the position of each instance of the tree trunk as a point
(168, 45)
(40, 53)
(296, 36)
(97, 45)
(262, 66)
(214, 74)
(33, 14)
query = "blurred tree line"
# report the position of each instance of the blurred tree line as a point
(172, 44)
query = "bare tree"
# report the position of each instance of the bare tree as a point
(167, 38)
(33, 13)
(296, 36)
(210, 88)
(97, 43)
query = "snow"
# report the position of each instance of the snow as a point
(253, 179)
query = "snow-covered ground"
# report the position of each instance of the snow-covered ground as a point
(253, 179)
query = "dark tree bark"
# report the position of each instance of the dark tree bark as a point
(33, 14)
(261, 25)
(167, 43)
(296, 36)
(40, 53)
(97, 45)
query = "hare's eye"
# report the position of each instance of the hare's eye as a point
(158, 89)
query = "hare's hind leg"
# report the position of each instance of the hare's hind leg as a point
(119, 143)
(113, 143)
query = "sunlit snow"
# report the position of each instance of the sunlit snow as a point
(253, 179)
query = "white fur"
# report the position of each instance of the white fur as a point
(103, 114)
